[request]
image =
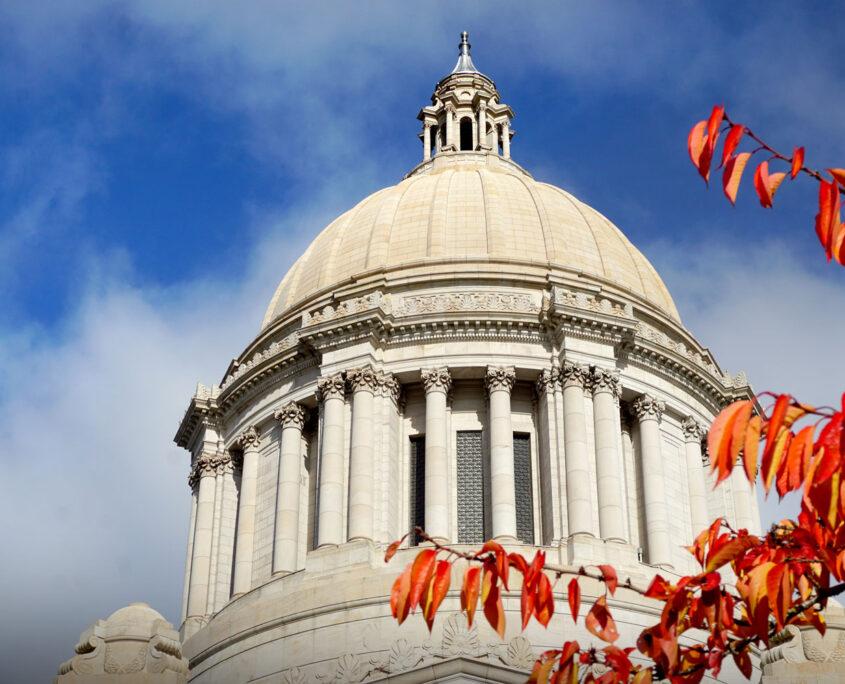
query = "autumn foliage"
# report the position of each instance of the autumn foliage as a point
(784, 577)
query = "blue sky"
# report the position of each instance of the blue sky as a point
(162, 163)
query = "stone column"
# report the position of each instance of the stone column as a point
(245, 538)
(578, 504)
(506, 140)
(545, 386)
(649, 412)
(362, 382)
(331, 390)
(693, 434)
(500, 381)
(609, 467)
(426, 141)
(482, 126)
(743, 509)
(286, 531)
(450, 132)
(437, 383)
(203, 475)
(190, 554)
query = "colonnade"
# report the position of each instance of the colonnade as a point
(574, 383)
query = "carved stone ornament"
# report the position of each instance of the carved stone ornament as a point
(204, 466)
(331, 387)
(291, 415)
(293, 676)
(546, 380)
(364, 378)
(605, 380)
(436, 379)
(693, 430)
(500, 378)
(404, 656)
(388, 386)
(519, 654)
(458, 639)
(249, 438)
(575, 375)
(647, 407)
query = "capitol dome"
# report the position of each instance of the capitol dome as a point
(471, 352)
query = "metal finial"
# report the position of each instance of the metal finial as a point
(464, 60)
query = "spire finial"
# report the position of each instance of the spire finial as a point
(464, 64)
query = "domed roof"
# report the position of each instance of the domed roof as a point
(470, 208)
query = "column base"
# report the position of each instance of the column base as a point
(358, 552)
(585, 549)
(192, 625)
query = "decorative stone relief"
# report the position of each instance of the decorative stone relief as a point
(458, 639)
(647, 407)
(205, 466)
(291, 415)
(347, 668)
(794, 645)
(546, 380)
(577, 375)
(249, 438)
(404, 656)
(467, 301)
(519, 654)
(436, 379)
(388, 386)
(605, 380)
(275, 348)
(293, 676)
(693, 430)
(500, 378)
(331, 386)
(582, 300)
(374, 300)
(364, 378)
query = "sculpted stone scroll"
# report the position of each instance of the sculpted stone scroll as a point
(647, 407)
(436, 379)
(331, 386)
(500, 378)
(291, 415)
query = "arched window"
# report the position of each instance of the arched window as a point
(435, 131)
(466, 134)
(499, 130)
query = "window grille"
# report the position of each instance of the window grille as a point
(470, 487)
(524, 487)
(416, 508)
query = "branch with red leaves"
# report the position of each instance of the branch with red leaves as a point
(702, 142)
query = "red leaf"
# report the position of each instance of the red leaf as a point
(609, 576)
(399, 605)
(797, 162)
(494, 611)
(600, 623)
(573, 595)
(767, 184)
(743, 663)
(827, 220)
(751, 447)
(391, 550)
(732, 175)
(695, 143)
(544, 606)
(775, 440)
(839, 175)
(421, 571)
(719, 439)
(436, 591)
(469, 591)
(731, 141)
(729, 551)
(659, 589)
(502, 564)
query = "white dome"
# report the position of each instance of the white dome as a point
(472, 209)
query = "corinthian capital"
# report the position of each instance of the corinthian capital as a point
(500, 378)
(331, 387)
(693, 430)
(436, 379)
(605, 380)
(291, 415)
(363, 378)
(546, 381)
(647, 407)
(575, 375)
(249, 438)
(388, 386)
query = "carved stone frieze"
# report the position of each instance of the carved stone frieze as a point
(364, 378)
(575, 375)
(249, 438)
(605, 380)
(468, 301)
(374, 300)
(582, 300)
(291, 415)
(500, 378)
(331, 387)
(273, 349)
(547, 380)
(693, 430)
(436, 379)
(647, 407)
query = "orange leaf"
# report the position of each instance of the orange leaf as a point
(767, 184)
(502, 564)
(540, 673)
(544, 606)
(731, 141)
(695, 142)
(573, 595)
(839, 175)
(494, 611)
(469, 592)
(399, 604)
(643, 676)
(609, 576)
(719, 439)
(660, 588)
(436, 591)
(729, 552)
(776, 422)
(743, 663)
(752, 447)
(827, 220)
(740, 425)
(391, 550)
(421, 571)
(797, 162)
(733, 174)
(600, 623)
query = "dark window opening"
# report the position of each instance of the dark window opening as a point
(435, 131)
(471, 494)
(523, 486)
(466, 134)
(417, 486)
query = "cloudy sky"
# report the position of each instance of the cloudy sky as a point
(162, 163)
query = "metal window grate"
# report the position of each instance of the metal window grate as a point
(524, 488)
(470, 487)
(416, 508)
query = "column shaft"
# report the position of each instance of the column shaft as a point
(693, 433)
(190, 555)
(201, 561)
(437, 382)
(578, 503)
(361, 472)
(547, 437)
(500, 381)
(482, 126)
(286, 531)
(245, 538)
(330, 514)
(506, 140)
(649, 412)
(608, 459)
(743, 509)
(450, 133)
(426, 142)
